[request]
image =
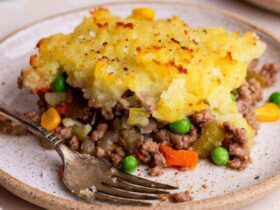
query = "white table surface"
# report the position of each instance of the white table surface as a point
(15, 14)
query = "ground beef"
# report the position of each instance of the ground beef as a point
(203, 117)
(159, 160)
(250, 91)
(269, 73)
(64, 133)
(147, 149)
(99, 132)
(247, 110)
(177, 141)
(235, 140)
(116, 159)
(148, 152)
(99, 152)
(180, 197)
(34, 116)
(12, 128)
(151, 127)
(238, 151)
(117, 155)
(163, 136)
(238, 164)
(74, 143)
(8, 126)
(234, 135)
(108, 114)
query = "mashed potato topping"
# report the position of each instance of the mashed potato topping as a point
(174, 69)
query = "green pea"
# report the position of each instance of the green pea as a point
(220, 156)
(59, 84)
(181, 126)
(129, 164)
(275, 98)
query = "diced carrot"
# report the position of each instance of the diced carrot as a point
(62, 108)
(179, 158)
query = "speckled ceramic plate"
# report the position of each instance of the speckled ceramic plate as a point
(30, 171)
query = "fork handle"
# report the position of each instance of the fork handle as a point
(31, 126)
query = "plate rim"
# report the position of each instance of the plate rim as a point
(231, 200)
(267, 7)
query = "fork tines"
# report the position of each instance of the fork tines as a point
(127, 189)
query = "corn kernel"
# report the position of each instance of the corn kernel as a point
(50, 119)
(145, 12)
(269, 112)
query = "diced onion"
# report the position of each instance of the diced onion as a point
(69, 122)
(131, 138)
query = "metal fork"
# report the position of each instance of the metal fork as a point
(91, 178)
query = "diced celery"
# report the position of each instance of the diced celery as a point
(81, 131)
(138, 116)
(212, 135)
